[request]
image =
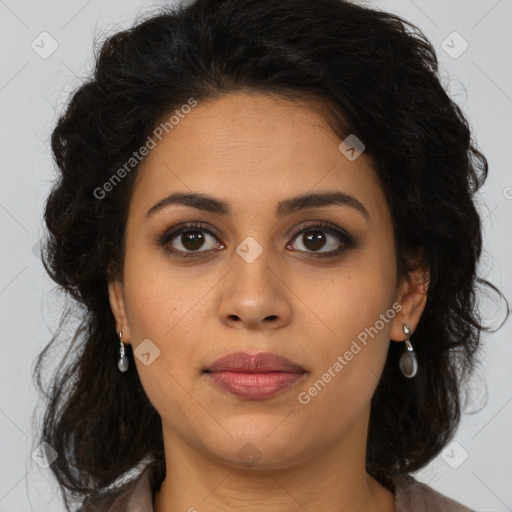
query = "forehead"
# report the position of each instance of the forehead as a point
(253, 150)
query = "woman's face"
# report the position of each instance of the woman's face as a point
(259, 277)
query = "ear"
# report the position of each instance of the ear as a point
(412, 295)
(116, 298)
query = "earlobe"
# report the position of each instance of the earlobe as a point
(413, 299)
(116, 298)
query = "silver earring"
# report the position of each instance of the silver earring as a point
(408, 362)
(122, 364)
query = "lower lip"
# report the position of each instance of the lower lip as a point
(255, 386)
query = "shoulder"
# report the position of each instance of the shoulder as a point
(414, 496)
(134, 496)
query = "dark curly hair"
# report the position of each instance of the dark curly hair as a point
(370, 73)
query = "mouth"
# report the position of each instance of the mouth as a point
(254, 376)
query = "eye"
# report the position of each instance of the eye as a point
(322, 238)
(318, 239)
(189, 238)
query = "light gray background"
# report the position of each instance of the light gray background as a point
(33, 91)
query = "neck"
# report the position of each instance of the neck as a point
(334, 479)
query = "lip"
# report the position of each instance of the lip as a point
(261, 362)
(254, 376)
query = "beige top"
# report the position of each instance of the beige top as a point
(410, 496)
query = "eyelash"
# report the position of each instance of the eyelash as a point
(347, 241)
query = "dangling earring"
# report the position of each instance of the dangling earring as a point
(408, 362)
(122, 364)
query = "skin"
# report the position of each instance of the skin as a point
(252, 151)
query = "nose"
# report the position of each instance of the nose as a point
(255, 295)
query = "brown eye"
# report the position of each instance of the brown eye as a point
(315, 240)
(319, 239)
(192, 240)
(185, 240)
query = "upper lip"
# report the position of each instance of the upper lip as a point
(254, 363)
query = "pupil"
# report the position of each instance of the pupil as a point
(192, 240)
(315, 240)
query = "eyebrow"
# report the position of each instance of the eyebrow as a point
(286, 207)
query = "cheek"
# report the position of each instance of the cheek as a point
(351, 298)
(359, 338)
(356, 310)
(166, 305)
(162, 309)
(349, 366)
(160, 300)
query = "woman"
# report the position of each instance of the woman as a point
(266, 210)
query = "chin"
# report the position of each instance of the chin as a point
(255, 452)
